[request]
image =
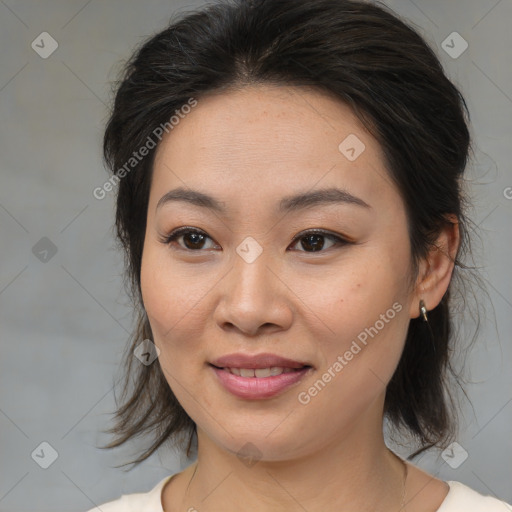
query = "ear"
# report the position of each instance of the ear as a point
(436, 269)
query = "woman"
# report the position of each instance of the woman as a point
(290, 203)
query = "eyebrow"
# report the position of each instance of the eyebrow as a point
(291, 203)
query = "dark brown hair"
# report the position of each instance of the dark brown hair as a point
(366, 57)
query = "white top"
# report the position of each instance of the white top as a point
(460, 498)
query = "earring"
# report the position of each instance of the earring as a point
(423, 311)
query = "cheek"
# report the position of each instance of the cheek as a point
(153, 290)
(358, 366)
(160, 295)
(352, 296)
(174, 303)
(364, 321)
(164, 298)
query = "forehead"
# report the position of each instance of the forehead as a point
(268, 141)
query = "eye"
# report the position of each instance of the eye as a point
(194, 239)
(314, 240)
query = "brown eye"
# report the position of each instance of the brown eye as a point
(314, 241)
(193, 239)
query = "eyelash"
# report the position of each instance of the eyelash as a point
(177, 233)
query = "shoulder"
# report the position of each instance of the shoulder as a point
(138, 502)
(126, 503)
(464, 499)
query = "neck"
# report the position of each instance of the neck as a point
(354, 471)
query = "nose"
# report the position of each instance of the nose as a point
(255, 299)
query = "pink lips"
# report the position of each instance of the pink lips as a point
(257, 387)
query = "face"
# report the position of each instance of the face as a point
(322, 280)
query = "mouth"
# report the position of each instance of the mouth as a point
(258, 376)
(260, 382)
(270, 364)
(271, 371)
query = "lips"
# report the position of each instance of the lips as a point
(257, 361)
(258, 376)
(259, 388)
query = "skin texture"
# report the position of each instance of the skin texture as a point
(249, 148)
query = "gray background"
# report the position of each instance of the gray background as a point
(64, 322)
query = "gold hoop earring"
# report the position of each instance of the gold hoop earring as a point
(423, 311)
